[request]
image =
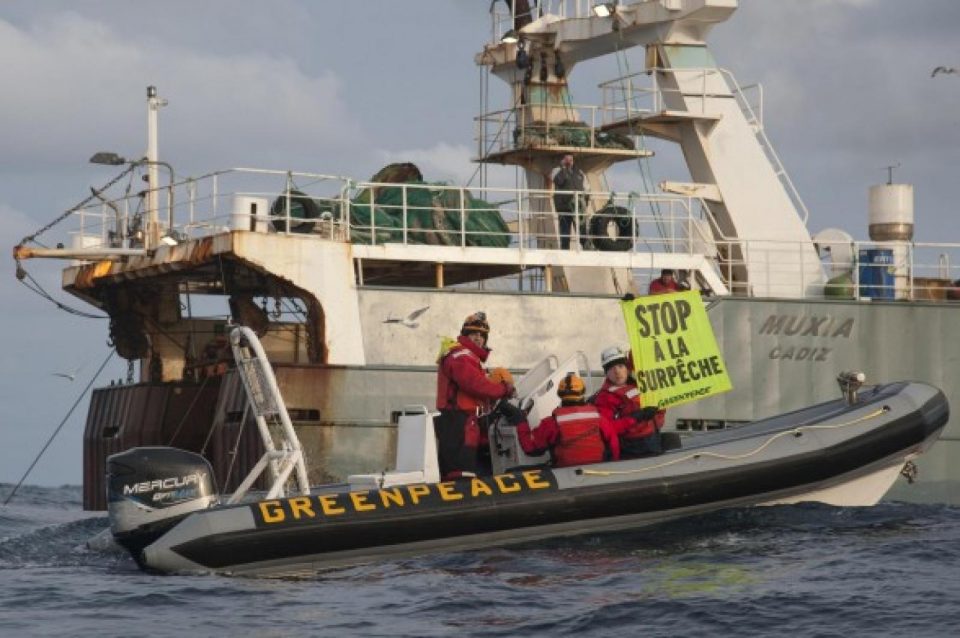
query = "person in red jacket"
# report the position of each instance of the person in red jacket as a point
(666, 282)
(463, 391)
(619, 400)
(575, 434)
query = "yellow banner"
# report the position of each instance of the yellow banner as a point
(675, 353)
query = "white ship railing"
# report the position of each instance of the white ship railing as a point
(504, 15)
(642, 94)
(535, 126)
(210, 205)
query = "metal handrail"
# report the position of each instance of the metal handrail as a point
(512, 125)
(656, 91)
(200, 212)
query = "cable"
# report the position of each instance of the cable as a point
(59, 427)
(236, 447)
(36, 288)
(496, 136)
(183, 420)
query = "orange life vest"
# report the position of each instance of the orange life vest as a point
(579, 441)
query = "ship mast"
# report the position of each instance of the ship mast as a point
(152, 160)
(695, 103)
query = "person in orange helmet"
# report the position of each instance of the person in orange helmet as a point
(576, 433)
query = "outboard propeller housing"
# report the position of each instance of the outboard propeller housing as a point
(150, 489)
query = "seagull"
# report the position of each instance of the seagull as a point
(410, 320)
(943, 69)
(67, 375)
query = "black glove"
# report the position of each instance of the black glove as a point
(512, 413)
(627, 297)
(644, 414)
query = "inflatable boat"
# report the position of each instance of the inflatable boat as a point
(165, 510)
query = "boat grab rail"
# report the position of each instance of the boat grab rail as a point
(265, 400)
(793, 432)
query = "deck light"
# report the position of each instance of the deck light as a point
(604, 9)
(510, 37)
(108, 158)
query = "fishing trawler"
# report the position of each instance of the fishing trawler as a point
(351, 283)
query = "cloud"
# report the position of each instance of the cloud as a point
(80, 85)
(14, 224)
(847, 90)
(40, 340)
(440, 162)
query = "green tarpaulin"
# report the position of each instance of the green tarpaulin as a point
(434, 214)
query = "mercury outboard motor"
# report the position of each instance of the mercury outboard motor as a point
(150, 489)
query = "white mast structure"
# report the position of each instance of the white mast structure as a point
(152, 160)
(756, 216)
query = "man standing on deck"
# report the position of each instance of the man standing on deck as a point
(569, 206)
(463, 390)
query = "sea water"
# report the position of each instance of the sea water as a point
(801, 570)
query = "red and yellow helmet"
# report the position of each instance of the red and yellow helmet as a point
(571, 388)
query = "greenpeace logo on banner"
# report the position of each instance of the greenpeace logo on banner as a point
(675, 353)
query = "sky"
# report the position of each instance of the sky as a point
(343, 88)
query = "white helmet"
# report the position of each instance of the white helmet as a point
(611, 356)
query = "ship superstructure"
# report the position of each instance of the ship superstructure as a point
(351, 284)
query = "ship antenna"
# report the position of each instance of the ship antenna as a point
(889, 170)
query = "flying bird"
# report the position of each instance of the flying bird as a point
(67, 375)
(410, 320)
(943, 69)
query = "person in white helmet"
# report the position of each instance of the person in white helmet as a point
(619, 401)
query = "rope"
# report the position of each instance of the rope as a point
(35, 287)
(59, 427)
(797, 431)
(173, 437)
(646, 174)
(236, 447)
(74, 209)
(23, 274)
(496, 136)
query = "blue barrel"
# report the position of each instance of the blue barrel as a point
(876, 273)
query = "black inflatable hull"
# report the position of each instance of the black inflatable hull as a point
(815, 451)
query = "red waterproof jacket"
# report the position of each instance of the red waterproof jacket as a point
(618, 403)
(657, 286)
(575, 435)
(461, 382)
